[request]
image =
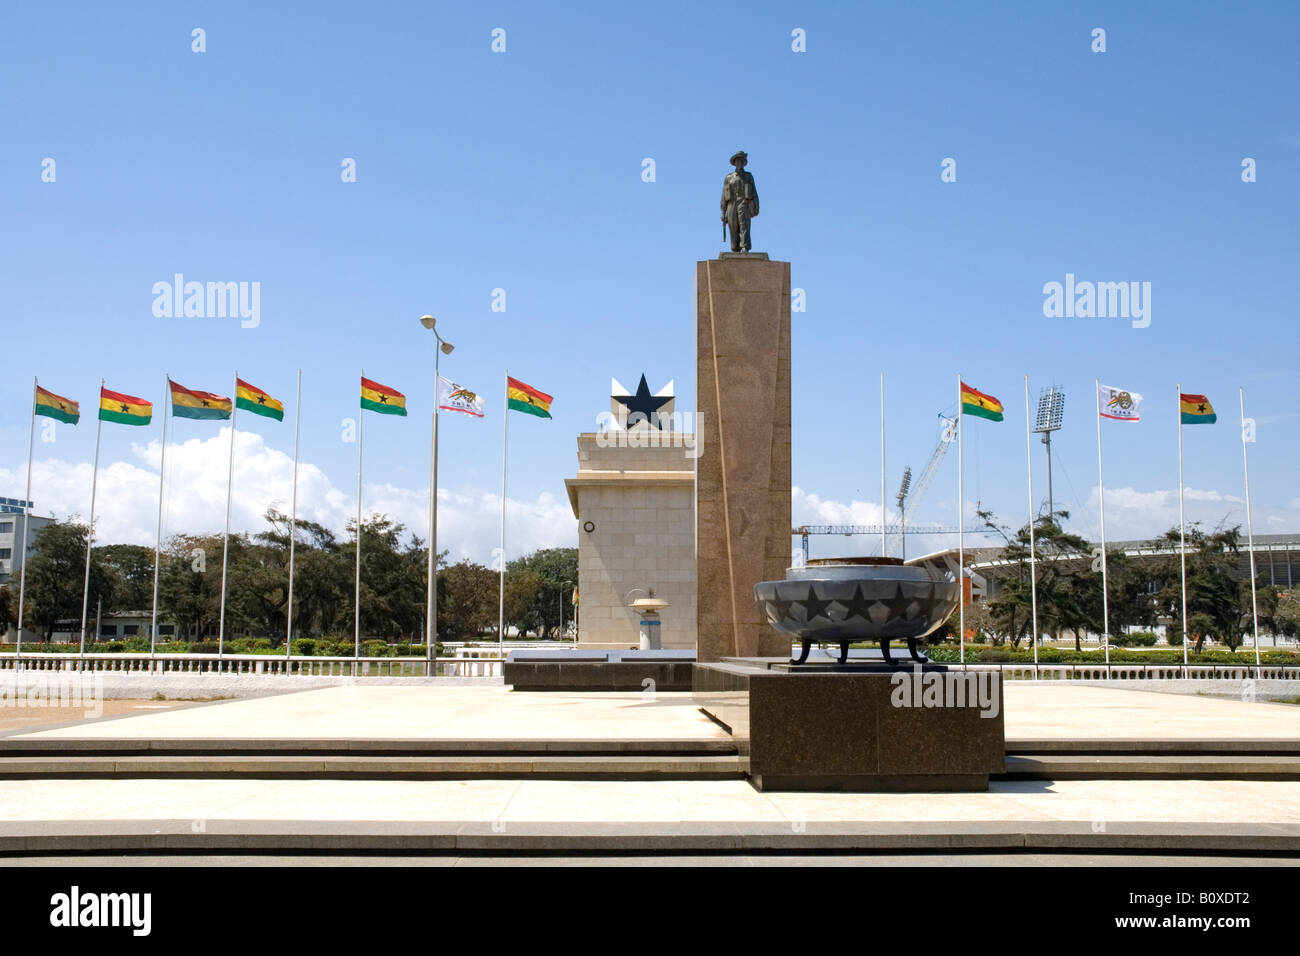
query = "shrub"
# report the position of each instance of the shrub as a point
(304, 646)
(1136, 639)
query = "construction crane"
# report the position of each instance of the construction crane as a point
(851, 529)
(922, 484)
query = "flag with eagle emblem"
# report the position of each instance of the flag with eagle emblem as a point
(458, 398)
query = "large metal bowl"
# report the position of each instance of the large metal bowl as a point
(860, 599)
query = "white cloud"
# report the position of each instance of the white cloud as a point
(469, 520)
(1133, 514)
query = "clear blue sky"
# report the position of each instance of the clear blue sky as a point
(522, 171)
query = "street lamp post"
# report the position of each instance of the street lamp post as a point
(431, 614)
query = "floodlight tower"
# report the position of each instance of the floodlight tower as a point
(902, 518)
(1051, 409)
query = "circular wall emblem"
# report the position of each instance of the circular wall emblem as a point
(589, 526)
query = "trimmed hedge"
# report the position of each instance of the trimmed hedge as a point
(984, 654)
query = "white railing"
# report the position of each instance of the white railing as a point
(1126, 671)
(256, 664)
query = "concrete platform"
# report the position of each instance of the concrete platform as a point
(698, 816)
(525, 814)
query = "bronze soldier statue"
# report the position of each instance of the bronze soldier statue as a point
(739, 202)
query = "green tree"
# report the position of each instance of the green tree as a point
(392, 578)
(523, 600)
(557, 569)
(1214, 595)
(55, 576)
(467, 600)
(1068, 590)
(1279, 610)
(131, 566)
(189, 585)
(8, 609)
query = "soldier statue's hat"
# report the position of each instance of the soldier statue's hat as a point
(739, 155)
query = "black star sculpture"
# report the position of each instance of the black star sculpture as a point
(642, 403)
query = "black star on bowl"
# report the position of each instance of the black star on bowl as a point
(898, 605)
(779, 610)
(814, 607)
(857, 606)
(642, 403)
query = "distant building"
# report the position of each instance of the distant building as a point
(14, 527)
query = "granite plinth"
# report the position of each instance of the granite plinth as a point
(742, 490)
(860, 727)
(666, 670)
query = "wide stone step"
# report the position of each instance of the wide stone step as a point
(945, 836)
(364, 746)
(1151, 766)
(570, 767)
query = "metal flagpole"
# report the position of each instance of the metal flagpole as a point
(293, 517)
(961, 537)
(1101, 492)
(431, 617)
(505, 445)
(1033, 561)
(1182, 527)
(90, 531)
(431, 614)
(21, 542)
(356, 601)
(883, 508)
(225, 541)
(157, 544)
(1250, 531)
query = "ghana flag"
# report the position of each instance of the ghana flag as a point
(123, 409)
(57, 407)
(1196, 410)
(525, 398)
(975, 402)
(253, 399)
(381, 398)
(191, 403)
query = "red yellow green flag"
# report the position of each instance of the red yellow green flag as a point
(1196, 410)
(975, 402)
(525, 398)
(123, 409)
(56, 406)
(381, 398)
(191, 403)
(253, 399)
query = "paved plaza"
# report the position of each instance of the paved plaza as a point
(356, 817)
(1043, 710)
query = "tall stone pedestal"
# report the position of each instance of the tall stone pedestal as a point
(863, 728)
(743, 441)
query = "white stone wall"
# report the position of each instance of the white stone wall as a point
(642, 503)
